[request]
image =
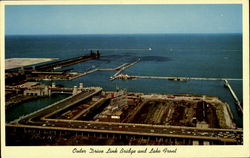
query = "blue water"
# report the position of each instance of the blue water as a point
(184, 55)
(31, 106)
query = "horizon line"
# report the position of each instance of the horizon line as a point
(120, 34)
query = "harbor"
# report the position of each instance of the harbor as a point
(45, 71)
(88, 110)
(172, 119)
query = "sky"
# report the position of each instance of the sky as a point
(122, 19)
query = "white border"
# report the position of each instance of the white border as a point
(182, 151)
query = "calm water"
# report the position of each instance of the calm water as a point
(184, 55)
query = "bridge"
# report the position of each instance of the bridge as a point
(141, 130)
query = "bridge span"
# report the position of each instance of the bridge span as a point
(135, 130)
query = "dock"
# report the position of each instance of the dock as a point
(237, 102)
(67, 62)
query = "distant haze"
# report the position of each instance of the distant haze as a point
(122, 19)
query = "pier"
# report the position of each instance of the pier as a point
(119, 69)
(45, 71)
(237, 102)
(67, 62)
(123, 68)
(122, 76)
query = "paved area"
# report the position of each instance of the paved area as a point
(20, 62)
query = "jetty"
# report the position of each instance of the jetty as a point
(123, 68)
(126, 76)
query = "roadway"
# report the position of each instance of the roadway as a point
(225, 135)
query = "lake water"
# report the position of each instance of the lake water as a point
(179, 55)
